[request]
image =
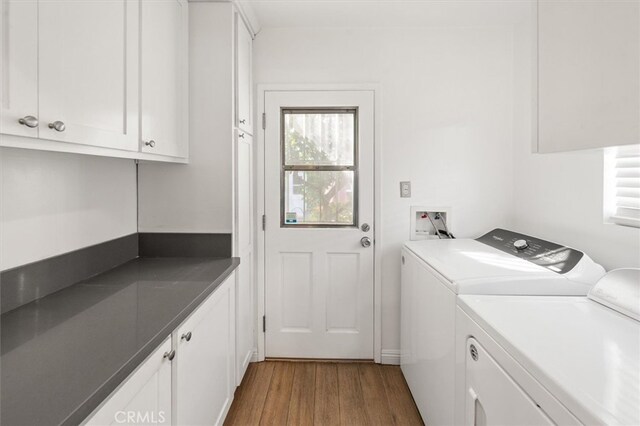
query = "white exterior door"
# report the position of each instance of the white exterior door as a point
(319, 254)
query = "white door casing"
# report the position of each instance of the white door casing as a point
(319, 281)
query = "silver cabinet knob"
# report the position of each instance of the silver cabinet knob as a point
(241, 135)
(243, 121)
(150, 143)
(366, 242)
(170, 355)
(29, 121)
(58, 126)
(186, 336)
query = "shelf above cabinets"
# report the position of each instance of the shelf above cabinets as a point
(98, 78)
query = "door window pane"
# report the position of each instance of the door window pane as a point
(319, 138)
(319, 197)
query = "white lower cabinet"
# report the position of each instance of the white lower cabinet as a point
(145, 398)
(189, 379)
(205, 360)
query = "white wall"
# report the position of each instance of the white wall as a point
(447, 121)
(197, 197)
(52, 203)
(559, 196)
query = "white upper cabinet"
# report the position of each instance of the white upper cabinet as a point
(88, 72)
(19, 68)
(164, 25)
(588, 74)
(244, 107)
(102, 76)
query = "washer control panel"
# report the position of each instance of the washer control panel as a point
(557, 258)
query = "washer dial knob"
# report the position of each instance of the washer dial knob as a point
(521, 244)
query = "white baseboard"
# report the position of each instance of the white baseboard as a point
(254, 356)
(390, 356)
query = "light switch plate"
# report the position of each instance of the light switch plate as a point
(405, 189)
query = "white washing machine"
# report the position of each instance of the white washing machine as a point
(435, 272)
(551, 360)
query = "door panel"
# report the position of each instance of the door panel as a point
(88, 72)
(296, 291)
(19, 66)
(343, 281)
(319, 186)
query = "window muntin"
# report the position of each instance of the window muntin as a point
(319, 173)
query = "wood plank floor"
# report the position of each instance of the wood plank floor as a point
(323, 394)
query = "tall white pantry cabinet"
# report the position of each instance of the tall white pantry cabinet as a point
(83, 77)
(244, 196)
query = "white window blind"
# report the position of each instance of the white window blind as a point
(627, 187)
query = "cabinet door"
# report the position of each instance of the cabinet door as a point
(163, 77)
(588, 74)
(205, 379)
(145, 397)
(244, 249)
(19, 67)
(88, 72)
(492, 397)
(244, 91)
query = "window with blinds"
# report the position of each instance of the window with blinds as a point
(626, 191)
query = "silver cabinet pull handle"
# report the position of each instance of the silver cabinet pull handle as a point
(243, 121)
(58, 126)
(170, 355)
(29, 121)
(366, 242)
(186, 336)
(150, 143)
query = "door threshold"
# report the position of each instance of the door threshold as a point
(320, 360)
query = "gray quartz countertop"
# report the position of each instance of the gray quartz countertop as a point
(62, 355)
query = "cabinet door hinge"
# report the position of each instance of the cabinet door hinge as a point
(264, 120)
(264, 323)
(264, 222)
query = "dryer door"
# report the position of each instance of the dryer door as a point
(492, 397)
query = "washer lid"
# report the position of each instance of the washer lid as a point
(585, 354)
(464, 259)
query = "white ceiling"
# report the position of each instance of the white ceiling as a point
(386, 13)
